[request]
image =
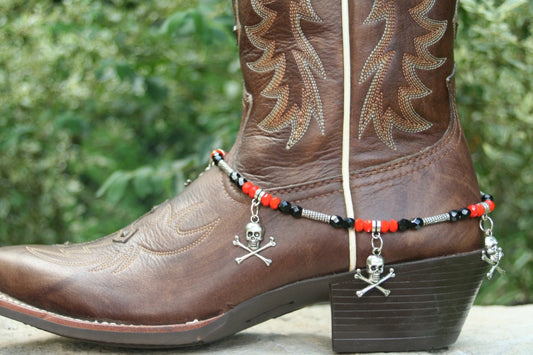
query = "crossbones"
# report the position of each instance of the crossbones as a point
(494, 267)
(251, 252)
(372, 284)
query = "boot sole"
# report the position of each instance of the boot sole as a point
(426, 309)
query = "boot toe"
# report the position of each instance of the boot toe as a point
(25, 277)
(60, 279)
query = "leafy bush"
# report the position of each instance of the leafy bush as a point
(107, 107)
(495, 98)
(107, 90)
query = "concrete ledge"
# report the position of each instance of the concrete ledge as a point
(488, 330)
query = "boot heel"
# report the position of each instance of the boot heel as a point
(427, 306)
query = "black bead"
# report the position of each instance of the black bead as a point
(404, 224)
(296, 211)
(285, 206)
(417, 223)
(217, 158)
(348, 223)
(454, 215)
(486, 197)
(336, 221)
(464, 213)
(234, 176)
(241, 181)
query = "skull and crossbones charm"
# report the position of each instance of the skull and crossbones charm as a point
(374, 268)
(374, 265)
(254, 236)
(492, 254)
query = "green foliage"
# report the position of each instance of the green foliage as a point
(107, 107)
(495, 98)
(106, 96)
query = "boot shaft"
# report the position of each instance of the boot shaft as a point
(401, 59)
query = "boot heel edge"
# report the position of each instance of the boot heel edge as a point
(426, 309)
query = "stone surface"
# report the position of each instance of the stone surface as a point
(488, 330)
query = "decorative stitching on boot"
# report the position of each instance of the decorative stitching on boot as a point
(393, 167)
(439, 151)
(314, 197)
(70, 256)
(123, 260)
(309, 67)
(375, 110)
(435, 153)
(177, 223)
(123, 255)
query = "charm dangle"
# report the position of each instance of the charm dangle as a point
(254, 235)
(256, 252)
(492, 253)
(375, 265)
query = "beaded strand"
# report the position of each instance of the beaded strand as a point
(255, 192)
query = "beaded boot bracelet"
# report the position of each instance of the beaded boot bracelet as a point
(475, 210)
(492, 253)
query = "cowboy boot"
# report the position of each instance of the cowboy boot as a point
(350, 155)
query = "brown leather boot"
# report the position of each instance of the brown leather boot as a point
(349, 133)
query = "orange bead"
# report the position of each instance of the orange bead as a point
(359, 225)
(473, 211)
(393, 225)
(252, 191)
(368, 226)
(265, 200)
(384, 226)
(246, 187)
(274, 203)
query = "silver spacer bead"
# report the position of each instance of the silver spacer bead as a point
(259, 194)
(225, 167)
(444, 217)
(376, 226)
(316, 216)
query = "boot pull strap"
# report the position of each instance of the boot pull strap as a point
(347, 191)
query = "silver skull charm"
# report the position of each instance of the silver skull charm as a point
(374, 267)
(492, 254)
(254, 235)
(491, 247)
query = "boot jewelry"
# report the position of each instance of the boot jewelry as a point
(374, 265)
(472, 211)
(254, 234)
(492, 253)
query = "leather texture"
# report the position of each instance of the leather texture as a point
(177, 263)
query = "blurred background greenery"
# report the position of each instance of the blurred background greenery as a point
(107, 107)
